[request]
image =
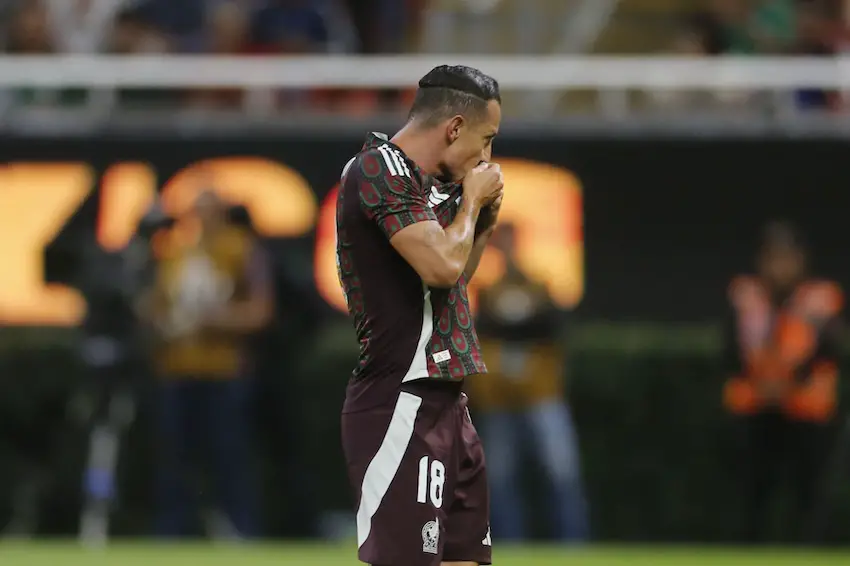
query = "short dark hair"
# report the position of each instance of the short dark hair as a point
(449, 90)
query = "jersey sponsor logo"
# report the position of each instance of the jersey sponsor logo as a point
(440, 357)
(394, 161)
(431, 537)
(436, 198)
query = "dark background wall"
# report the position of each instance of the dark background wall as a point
(666, 223)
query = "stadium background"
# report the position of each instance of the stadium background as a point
(659, 203)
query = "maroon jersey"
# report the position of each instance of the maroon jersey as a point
(406, 330)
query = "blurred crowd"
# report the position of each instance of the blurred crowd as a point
(280, 27)
(243, 27)
(768, 27)
(204, 26)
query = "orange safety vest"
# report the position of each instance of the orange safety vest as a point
(776, 343)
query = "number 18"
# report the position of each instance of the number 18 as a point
(436, 478)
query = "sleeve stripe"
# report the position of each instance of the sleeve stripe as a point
(395, 162)
(402, 166)
(388, 159)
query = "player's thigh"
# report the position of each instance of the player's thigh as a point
(467, 538)
(400, 465)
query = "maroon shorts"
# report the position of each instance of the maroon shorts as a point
(417, 469)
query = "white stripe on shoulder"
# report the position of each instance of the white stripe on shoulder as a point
(347, 167)
(395, 161)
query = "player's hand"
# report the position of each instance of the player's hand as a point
(484, 184)
(489, 216)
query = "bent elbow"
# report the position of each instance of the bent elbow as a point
(443, 278)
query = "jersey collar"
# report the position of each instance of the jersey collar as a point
(376, 139)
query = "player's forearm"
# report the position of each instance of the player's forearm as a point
(457, 242)
(478, 248)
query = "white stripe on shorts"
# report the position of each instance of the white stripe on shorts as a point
(383, 467)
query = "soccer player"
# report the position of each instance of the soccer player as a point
(413, 217)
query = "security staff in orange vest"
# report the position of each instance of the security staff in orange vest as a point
(782, 365)
(521, 402)
(213, 290)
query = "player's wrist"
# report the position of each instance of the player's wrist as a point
(475, 206)
(485, 233)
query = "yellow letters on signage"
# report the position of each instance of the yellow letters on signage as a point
(279, 200)
(127, 192)
(37, 199)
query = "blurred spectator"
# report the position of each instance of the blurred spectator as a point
(772, 25)
(225, 32)
(367, 19)
(415, 20)
(701, 34)
(29, 30)
(82, 26)
(750, 27)
(737, 27)
(28, 33)
(213, 292)
(289, 26)
(521, 402)
(386, 26)
(134, 33)
(181, 19)
(267, 27)
(732, 19)
(768, 26)
(814, 29)
(817, 33)
(782, 351)
(381, 27)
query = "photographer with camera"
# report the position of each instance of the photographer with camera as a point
(212, 292)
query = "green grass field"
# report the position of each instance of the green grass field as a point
(52, 554)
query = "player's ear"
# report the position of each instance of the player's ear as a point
(454, 127)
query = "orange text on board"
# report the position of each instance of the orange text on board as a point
(543, 202)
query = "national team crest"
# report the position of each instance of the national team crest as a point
(431, 537)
